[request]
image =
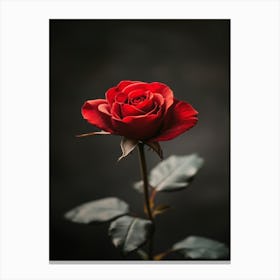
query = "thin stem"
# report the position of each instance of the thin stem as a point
(145, 179)
(151, 243)
(147, 197)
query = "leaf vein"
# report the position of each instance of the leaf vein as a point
(129, 230)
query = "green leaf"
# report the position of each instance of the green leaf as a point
(196, 247)
(172, 174)
(127, 146)
(129, 233)
(142, 254)
(101, 210)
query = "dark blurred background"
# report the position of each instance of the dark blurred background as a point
(89, 56)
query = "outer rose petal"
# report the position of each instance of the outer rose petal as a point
(96, 117)
(121, 85)
(138, 127)
(180, 118)
(134, 86)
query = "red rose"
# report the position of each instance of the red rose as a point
(141, 111)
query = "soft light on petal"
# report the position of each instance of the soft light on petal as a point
(180, 118)
(96, 117)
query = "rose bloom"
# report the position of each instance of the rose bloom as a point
(141, 111)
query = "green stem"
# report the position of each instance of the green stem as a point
(147, 196)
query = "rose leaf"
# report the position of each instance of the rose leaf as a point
(127, 146)
(129, 233)
(138, 186)
(94, 133)
(196, 247)
(101, 210)
(142, 254)
(155, 146)
(173, 174)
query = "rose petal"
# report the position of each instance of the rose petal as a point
(116, 111)
(147, 104)
(121, 97)
(130, 110)
(111, 92)
(164, 90)
(135, 114)
(134, 94)
(133, 86)
(104, 108)
(121, 85)
(96, 117)
(158, 99)
(138, 127)
(110, 95)
(180, 118)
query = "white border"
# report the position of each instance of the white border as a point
(254, 130)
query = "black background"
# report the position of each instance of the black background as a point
(89, 56)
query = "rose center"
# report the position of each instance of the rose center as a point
(138, 99)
